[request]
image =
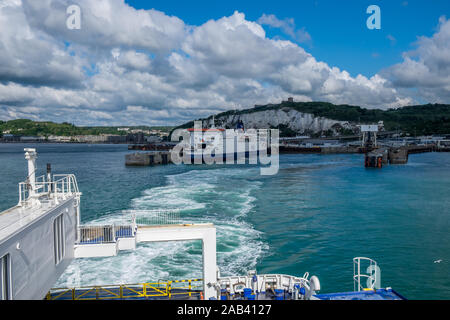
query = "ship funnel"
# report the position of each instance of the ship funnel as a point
(31, 155)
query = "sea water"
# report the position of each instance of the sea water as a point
(314, 216)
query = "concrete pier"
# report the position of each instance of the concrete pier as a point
(147, 158)
(398, 156)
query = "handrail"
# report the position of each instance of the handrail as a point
(266, 281)
(169, 289)
(108, 233)
(358, 275)
(63, 187)
(125, 291)
(154, 217)
(44, 192)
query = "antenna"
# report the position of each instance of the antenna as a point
(30, 155)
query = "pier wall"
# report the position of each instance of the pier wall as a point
(398, 156)
(147, 158)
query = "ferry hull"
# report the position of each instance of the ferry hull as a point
(200, 158)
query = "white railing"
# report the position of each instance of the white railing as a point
(126, 226)
(61, 187)
(124, 231)
(104, 233)
(96, 234)
(271, 282)
(154, 217)
(368, 270)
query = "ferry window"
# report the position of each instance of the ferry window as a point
(58, 239)
(5, 283)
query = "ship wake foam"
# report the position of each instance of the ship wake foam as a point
(220, 196)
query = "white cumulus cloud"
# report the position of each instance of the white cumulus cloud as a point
(427, 68)
(128, 66)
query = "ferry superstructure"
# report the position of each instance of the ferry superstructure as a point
(42, 234)
(225, 144)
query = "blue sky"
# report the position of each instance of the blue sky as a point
(337, 28)
(134, 62)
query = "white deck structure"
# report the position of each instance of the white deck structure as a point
(182, 232)
(36, 236)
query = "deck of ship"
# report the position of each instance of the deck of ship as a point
(164, 291)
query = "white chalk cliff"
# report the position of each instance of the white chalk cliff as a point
(301, 123)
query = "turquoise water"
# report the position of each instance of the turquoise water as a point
(315, 215)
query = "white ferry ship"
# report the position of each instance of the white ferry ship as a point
(227, 145)
(42, 234)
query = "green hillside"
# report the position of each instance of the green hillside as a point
(419, 119)
(26, 127)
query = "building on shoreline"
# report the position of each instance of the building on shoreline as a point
(130, 138)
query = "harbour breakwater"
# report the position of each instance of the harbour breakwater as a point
(293, 148)
(147, 158)
(374, 156)
(392, 155)
(355, 149)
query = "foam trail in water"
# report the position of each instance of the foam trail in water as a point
(220, 196)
